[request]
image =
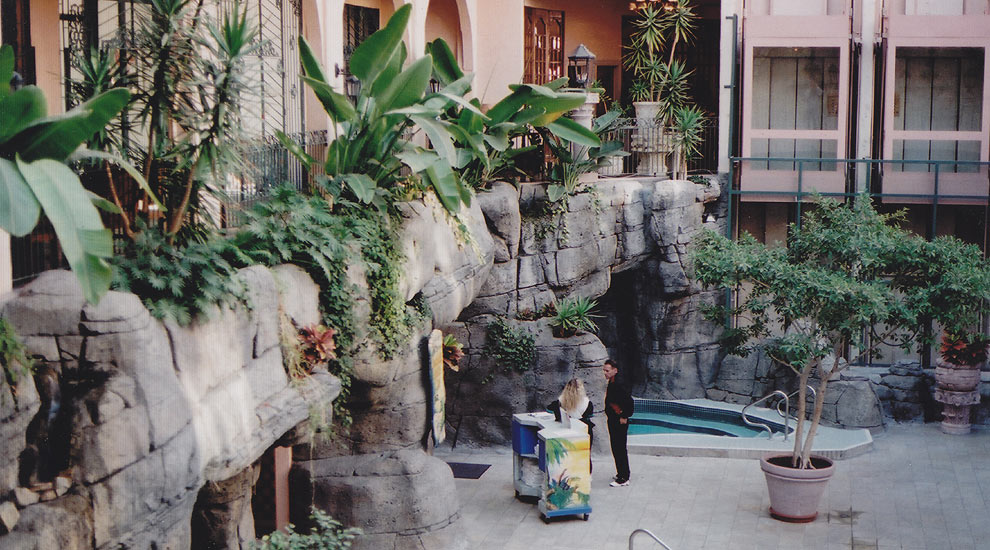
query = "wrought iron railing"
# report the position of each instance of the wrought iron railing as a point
(652, 149)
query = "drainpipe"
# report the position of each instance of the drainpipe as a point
(864, 122)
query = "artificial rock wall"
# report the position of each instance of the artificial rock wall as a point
(147, 413)
(627, 228)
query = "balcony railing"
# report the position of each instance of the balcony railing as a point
(651, 149)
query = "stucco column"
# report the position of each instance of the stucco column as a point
(725, 97)
(585, 116)
(864, 124)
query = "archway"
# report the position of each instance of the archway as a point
(447, 19)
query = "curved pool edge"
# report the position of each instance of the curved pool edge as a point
(834, 443)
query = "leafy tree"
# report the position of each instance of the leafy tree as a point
(849, 279)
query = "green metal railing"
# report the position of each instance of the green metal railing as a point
(874, 176)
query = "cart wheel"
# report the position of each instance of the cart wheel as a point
(586, 516)
(546, 519)
(517, 493)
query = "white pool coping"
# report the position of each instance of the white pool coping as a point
(834, 443)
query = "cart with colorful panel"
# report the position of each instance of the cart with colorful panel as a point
(565, 460)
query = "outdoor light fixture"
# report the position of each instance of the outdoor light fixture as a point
(434, 85)
(666, 5)
(581, 60)
(352, 86)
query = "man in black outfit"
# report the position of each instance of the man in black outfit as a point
(618, 409)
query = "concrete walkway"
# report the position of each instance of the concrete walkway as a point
(917, 489)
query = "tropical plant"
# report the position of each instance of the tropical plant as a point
(512, 348)
(318, 345)
(453, 351)
(849, 282)
(964, 349)
(178, 283)
(573, 315)
(485, 150)
(688, 124)
(326, 534)
(370, 154)
(658, 79)
(191, 76)
(574, 160)
(14, 359)
(34, 177)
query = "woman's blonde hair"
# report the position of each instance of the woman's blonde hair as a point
(573, 395)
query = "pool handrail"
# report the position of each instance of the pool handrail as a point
(651, 535)
(765, 426)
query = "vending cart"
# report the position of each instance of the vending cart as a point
(562, 459)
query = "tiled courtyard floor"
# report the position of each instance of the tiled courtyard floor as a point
(917, 489)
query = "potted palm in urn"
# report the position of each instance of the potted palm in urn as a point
(849, 282)
(660, 86)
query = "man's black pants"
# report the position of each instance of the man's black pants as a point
(617, 438)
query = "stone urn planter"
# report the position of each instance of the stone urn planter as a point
(957, 387)
(649, 140)
(795, 492)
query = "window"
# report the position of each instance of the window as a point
(544, 46)
(359, 24)
(938, 96)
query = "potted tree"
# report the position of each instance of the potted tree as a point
(849, 282)
(661, 85)
(957, 378)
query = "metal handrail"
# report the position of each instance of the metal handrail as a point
(787, 408)
(766, 427)
(651, 535)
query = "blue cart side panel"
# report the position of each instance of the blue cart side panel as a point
(524, 439)
(543, 455)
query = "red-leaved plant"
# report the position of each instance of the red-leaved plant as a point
(961, 349)
(318, 345)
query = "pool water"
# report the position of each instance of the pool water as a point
(666, 417)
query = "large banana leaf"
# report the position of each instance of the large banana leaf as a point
(19, 210)
(408, 86)
(445, 65)
(57, 137)
(84, 241)
(446, 185)
(336, 105)
(372, 56)
(310, 63)
(573, 132)
(19, 109)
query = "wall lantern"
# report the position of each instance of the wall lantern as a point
(434, 85)
(352, 85)
(582, 59)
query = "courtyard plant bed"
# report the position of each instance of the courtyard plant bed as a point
(848, 282)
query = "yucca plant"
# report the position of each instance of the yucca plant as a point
(658, 79)
(184, 121)
(688, 124)
(573, 315)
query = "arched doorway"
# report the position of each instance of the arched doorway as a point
(443, 20)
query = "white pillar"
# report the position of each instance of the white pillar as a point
(864, 122)
(585, 116)
(725, 98)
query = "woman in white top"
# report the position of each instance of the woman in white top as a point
(573, 403)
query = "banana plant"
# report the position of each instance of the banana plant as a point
(575, 158)
(34, 177)
(365, 160)
(485, 141)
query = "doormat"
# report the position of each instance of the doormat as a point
(465, 470)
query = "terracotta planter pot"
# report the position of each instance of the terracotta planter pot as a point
(795, 493)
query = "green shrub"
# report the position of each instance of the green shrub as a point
(512, 348)
(326, 534)
(177, 283)
(16, 363)
(573, 315)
